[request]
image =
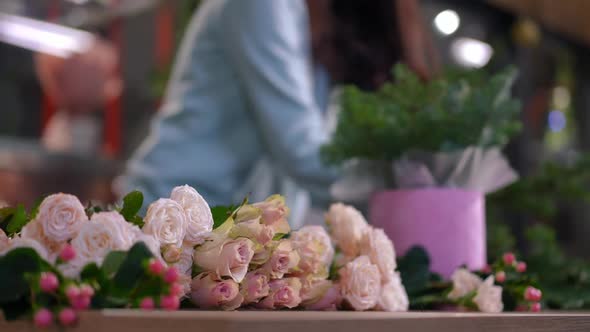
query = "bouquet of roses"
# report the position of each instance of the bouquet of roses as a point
(67, 258)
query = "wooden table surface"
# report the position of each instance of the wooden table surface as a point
(292, 321)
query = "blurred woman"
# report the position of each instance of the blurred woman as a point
(245, 110)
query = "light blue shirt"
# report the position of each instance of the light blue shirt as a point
(243, 113)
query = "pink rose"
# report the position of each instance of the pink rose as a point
(209, 293)
(282, 260)
(393, 296)
(347, 226)
(320, 295)
(227, 258)
(199, 218)
(254, 287)
(274, 214)
(61, 216)
(360, 283)
(284, 293)
(315, 250)
(378, 247)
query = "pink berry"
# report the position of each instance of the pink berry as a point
(536, 307)
(67, 253)
(81, 303)
(86, 290)
(509, 258)
(170, 302)
(67, 317)
(156, 267)
(487, 269)
(171, 275)
(147, 303)
(521, 267)
(48, 282)
(43, 318)
(532, 294)
(500, 276)
(72, 292)
(176, 289)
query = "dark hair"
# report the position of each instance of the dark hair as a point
(364, 42)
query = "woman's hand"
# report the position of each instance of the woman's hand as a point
(82, 82)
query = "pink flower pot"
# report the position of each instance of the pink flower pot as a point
(448, 223)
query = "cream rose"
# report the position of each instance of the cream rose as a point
(393, 296)
(464, 282)
(200, 219)
(378, 247)
(166, 221)
(315, 250)
(227, 258)
(254, 287)
(283, 293)
(106, 231)
(61, 216)
(320, 295)
(489, 297)
(207, 292)
(185, 264)
(253, 230)
(347, 226)
(282, 260)
(360, 283)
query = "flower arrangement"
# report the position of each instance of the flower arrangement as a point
(61, 258)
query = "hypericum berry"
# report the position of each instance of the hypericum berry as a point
(81, 303)
(86, 290)
(170, 302)
(67, 317)
(536, 307)
(500, 276)
(176, 289)
(509, 258)
(533, 294)
(171, 275)
(147, 303)
(48, 282)
(72, 292)
(43, 318)
(521, 267)
(67, 253)
(487, 269)
(156, 267)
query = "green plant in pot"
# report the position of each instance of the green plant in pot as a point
(424, 154)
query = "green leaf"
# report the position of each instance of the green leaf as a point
(91, 272)
(13, 267)
(112, 262)
(18, 220)
(132, 203)
(131, 270)
(414, 268)
(16, 309)
(279, 236)
(221, 214)
(35, 208)
(137, 221)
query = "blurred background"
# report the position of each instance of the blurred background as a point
(44, 150)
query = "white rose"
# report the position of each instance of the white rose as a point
(347, 225)
(315, 250)
(105, 232)
(185, 264)
(200, 219)
(360, 283)
(489, 297)
(464, 282)
(20, 242)
(393, 296)
(61, 216)
(378, 247)
(34, 230)
(166, 221)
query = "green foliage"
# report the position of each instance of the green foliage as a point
(452, 112)
(13, 219)
(499, 239)
(15, 269)
(132, 204)
(220, 214)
